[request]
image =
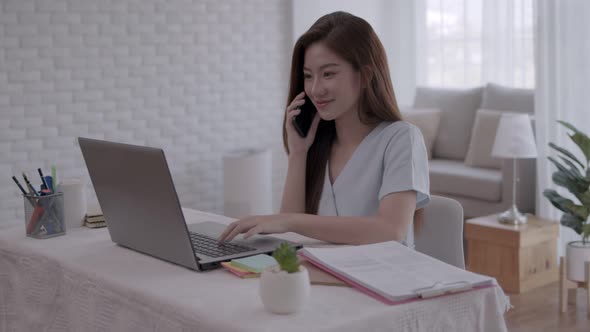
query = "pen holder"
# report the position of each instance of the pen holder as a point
(44, 215)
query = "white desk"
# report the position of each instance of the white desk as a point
(84, 282)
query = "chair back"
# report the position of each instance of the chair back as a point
(440, 232)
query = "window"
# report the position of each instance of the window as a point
(464, 43)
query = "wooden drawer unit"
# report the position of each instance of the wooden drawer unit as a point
(520, 257)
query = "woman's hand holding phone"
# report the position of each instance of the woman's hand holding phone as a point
(297, 143)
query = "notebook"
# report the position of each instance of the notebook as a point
(392, 272)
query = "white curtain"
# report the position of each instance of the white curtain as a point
(562, 39)
(464, 43)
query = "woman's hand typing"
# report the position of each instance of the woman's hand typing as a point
(271, 224)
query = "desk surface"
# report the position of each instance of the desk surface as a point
(83, 281)
(533, 223)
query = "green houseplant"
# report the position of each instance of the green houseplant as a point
(286, 256)
(284, 288)
(573, 175)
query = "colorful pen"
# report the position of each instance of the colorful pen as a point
(42, 178)
(34, 223)
(49, 182)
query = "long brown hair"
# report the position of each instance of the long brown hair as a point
(353, 39)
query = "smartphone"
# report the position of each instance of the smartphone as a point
(302, 121)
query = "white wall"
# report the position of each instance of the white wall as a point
(195, 78)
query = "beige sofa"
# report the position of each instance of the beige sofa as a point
(459, 130)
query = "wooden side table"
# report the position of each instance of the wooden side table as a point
(520, 257)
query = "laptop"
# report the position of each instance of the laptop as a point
(142, 211)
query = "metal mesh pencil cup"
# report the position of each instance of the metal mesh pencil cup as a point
(44, 215)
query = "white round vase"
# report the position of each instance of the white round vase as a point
(282, 292)
(577, 254)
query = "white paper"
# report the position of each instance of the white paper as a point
(394, 270)
(247, 183)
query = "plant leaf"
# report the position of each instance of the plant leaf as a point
(573, 222)
(557, 200)
(583, 143)
(585, 232)
(578, 210)
(566, 205)
(562, 179)
(581, 140)
(572, 167)
(286, 256)
(570, 174)
(585, 198)
(576, 183)
(566, 153)
(568, 126)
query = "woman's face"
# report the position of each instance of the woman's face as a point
(330, 82)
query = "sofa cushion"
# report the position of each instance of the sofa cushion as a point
(482, 140)
(455, 178)
(458, 108)
(427, 120)
(498, 97)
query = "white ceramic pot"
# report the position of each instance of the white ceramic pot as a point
(577, 253)
(282, 292)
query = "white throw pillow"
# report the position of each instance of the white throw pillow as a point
(503, 98)
(483, 135)
(458, 108)
(427, 120)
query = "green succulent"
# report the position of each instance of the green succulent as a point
(286, 256)
(573, 175)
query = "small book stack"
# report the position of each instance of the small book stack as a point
(249, 267)
(94, 217)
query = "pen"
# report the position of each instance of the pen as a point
(53, 177)
(29, 185)
(34, 223)
(19, 186)
(42, 178)
(49, 182)
(25, 194)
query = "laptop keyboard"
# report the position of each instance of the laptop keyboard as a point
(212, 248)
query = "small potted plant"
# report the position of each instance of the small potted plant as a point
(284, 288)
(573, 175)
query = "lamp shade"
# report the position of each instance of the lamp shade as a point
(514, 137)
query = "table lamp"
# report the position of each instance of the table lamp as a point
(514, 140)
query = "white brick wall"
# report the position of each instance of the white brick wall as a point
(196, 78)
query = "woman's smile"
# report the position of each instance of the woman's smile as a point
(321, 104)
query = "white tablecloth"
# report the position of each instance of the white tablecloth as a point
(84, 282)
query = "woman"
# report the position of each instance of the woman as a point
(360, 173)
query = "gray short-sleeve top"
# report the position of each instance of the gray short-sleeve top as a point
(391, 158)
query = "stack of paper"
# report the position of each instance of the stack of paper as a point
(249, 267)
(392, 272)
(94, 217)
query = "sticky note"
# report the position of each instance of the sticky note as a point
(239, 272)
(255, 263)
